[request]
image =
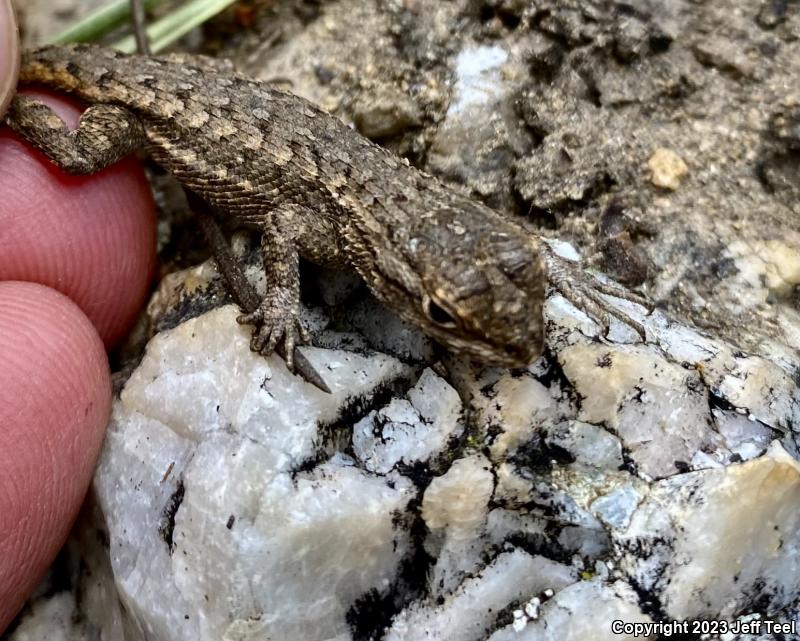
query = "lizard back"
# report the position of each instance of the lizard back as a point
(242, 143)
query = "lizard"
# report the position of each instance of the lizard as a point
(469, 277)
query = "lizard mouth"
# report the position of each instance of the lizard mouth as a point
(505, 355)
(521, 352)
(521, 356)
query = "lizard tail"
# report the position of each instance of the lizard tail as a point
(75, 68)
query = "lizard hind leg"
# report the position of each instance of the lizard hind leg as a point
(584, 291)
(106, 134)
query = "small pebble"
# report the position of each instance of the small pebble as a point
(668, 168)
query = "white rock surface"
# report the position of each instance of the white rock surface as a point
(478, 77)
(588, 443)
(709, 544)
(581, 612)
(202, 470)
(616, 508)
(455, 508)
(50, 620)
(410, 430)
(635, 392)
(241, 503)
(388, 333)
(468, 614)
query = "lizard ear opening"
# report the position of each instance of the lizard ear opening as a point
(437, 313)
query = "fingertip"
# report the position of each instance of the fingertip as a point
(9, 54)
(91, 237)
(55, 398)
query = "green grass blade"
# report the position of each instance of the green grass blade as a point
(176, 24)
(100, 22)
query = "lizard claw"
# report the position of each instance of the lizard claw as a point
(275, 330)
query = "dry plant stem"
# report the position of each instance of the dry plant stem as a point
(139, 30)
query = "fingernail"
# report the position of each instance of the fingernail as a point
(9, 54)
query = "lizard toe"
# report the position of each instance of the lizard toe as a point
(290, 343)
(304, 336)
(275, 335)
(586, 292)
(255, 318)
(258, 339)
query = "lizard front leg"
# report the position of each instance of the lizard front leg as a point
(583, 290)
(277, 317)
(106, 134)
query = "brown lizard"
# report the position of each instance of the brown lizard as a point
(313, 187)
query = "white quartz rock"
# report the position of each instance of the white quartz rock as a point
(658, 409)
(214, 533)
(616, 508)
(589, 444)
(581, 612)
(456, 501)
(478, 77)
(711, 543)
(387, 332)
(51, 620)
(201, 377)
(410, 430)
(519, 406)
(233, 516)
(455, 509)
(743, 435)
(470, 613)
(764, 388)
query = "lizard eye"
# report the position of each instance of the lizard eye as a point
(437, 313)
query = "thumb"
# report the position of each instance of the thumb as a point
(54, 404)
(9, 54)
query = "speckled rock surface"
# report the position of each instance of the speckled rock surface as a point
(428, 499)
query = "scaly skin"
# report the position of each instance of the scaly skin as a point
(315, 188)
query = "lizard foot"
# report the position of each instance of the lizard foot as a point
(274, 325)
(584, 291)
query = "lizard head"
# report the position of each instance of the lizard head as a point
(472, 280)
